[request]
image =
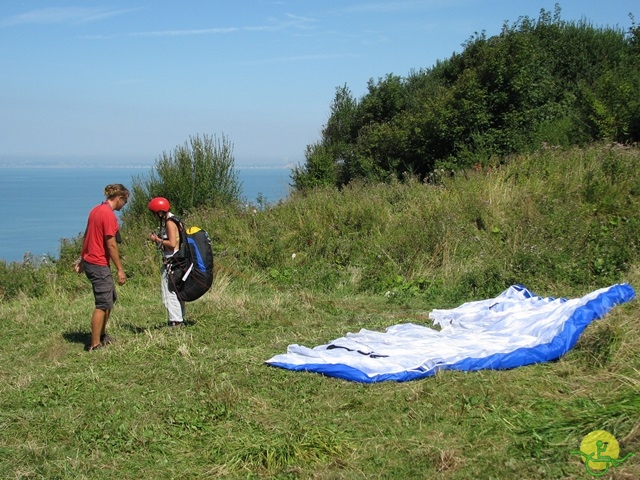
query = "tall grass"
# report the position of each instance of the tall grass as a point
(201, 403)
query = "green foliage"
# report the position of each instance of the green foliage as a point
(27, 277)
(555, 217)
(199, 173)
(544, 81)
(320, 169)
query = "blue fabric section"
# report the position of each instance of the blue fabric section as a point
(560, 345)
(199, 261)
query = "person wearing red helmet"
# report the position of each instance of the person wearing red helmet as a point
(168, 242)
(99, 249)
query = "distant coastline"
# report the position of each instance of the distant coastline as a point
(111, 161)
(121, 166)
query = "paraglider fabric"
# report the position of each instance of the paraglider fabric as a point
(514, 329)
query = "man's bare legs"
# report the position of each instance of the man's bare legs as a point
(99, 321)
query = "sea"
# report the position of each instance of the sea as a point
(42, 205)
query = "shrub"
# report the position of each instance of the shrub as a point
(199, 173)
(538, 81)
(27, 277)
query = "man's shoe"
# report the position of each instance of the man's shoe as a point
(176, 324)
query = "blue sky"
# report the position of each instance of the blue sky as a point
(125, 80)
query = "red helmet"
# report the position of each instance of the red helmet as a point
(159, 204)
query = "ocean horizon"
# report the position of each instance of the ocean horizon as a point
(45, 203)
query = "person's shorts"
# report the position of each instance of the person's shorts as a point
(104, 290)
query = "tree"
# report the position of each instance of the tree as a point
(325, 159)
(538, 81)
(199, 173)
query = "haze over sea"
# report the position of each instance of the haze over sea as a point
(43, 204)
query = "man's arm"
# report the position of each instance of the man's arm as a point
(114, 254)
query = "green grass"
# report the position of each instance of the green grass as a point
(201, 403)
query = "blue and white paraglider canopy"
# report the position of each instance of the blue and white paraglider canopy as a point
(514, 329)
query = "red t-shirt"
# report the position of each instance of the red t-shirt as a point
(102, 223)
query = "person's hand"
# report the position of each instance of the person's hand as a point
(78, 267)
(122, 277)
(153, 237)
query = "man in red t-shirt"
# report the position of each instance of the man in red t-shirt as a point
(99, 248)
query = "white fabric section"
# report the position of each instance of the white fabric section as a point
(478, 329)
(187, 273)
(175, 308)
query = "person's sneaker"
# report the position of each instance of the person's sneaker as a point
(176, 324)
(107, 340)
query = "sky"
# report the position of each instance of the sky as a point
(123, 81)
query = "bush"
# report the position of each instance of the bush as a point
(24, 278)
(199, 173)
(544, 81)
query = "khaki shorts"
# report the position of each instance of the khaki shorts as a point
(104, 290)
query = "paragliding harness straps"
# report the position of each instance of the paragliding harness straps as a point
(190, 269)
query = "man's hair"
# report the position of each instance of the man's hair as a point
(115, 190)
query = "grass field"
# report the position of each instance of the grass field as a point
(200, 402)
